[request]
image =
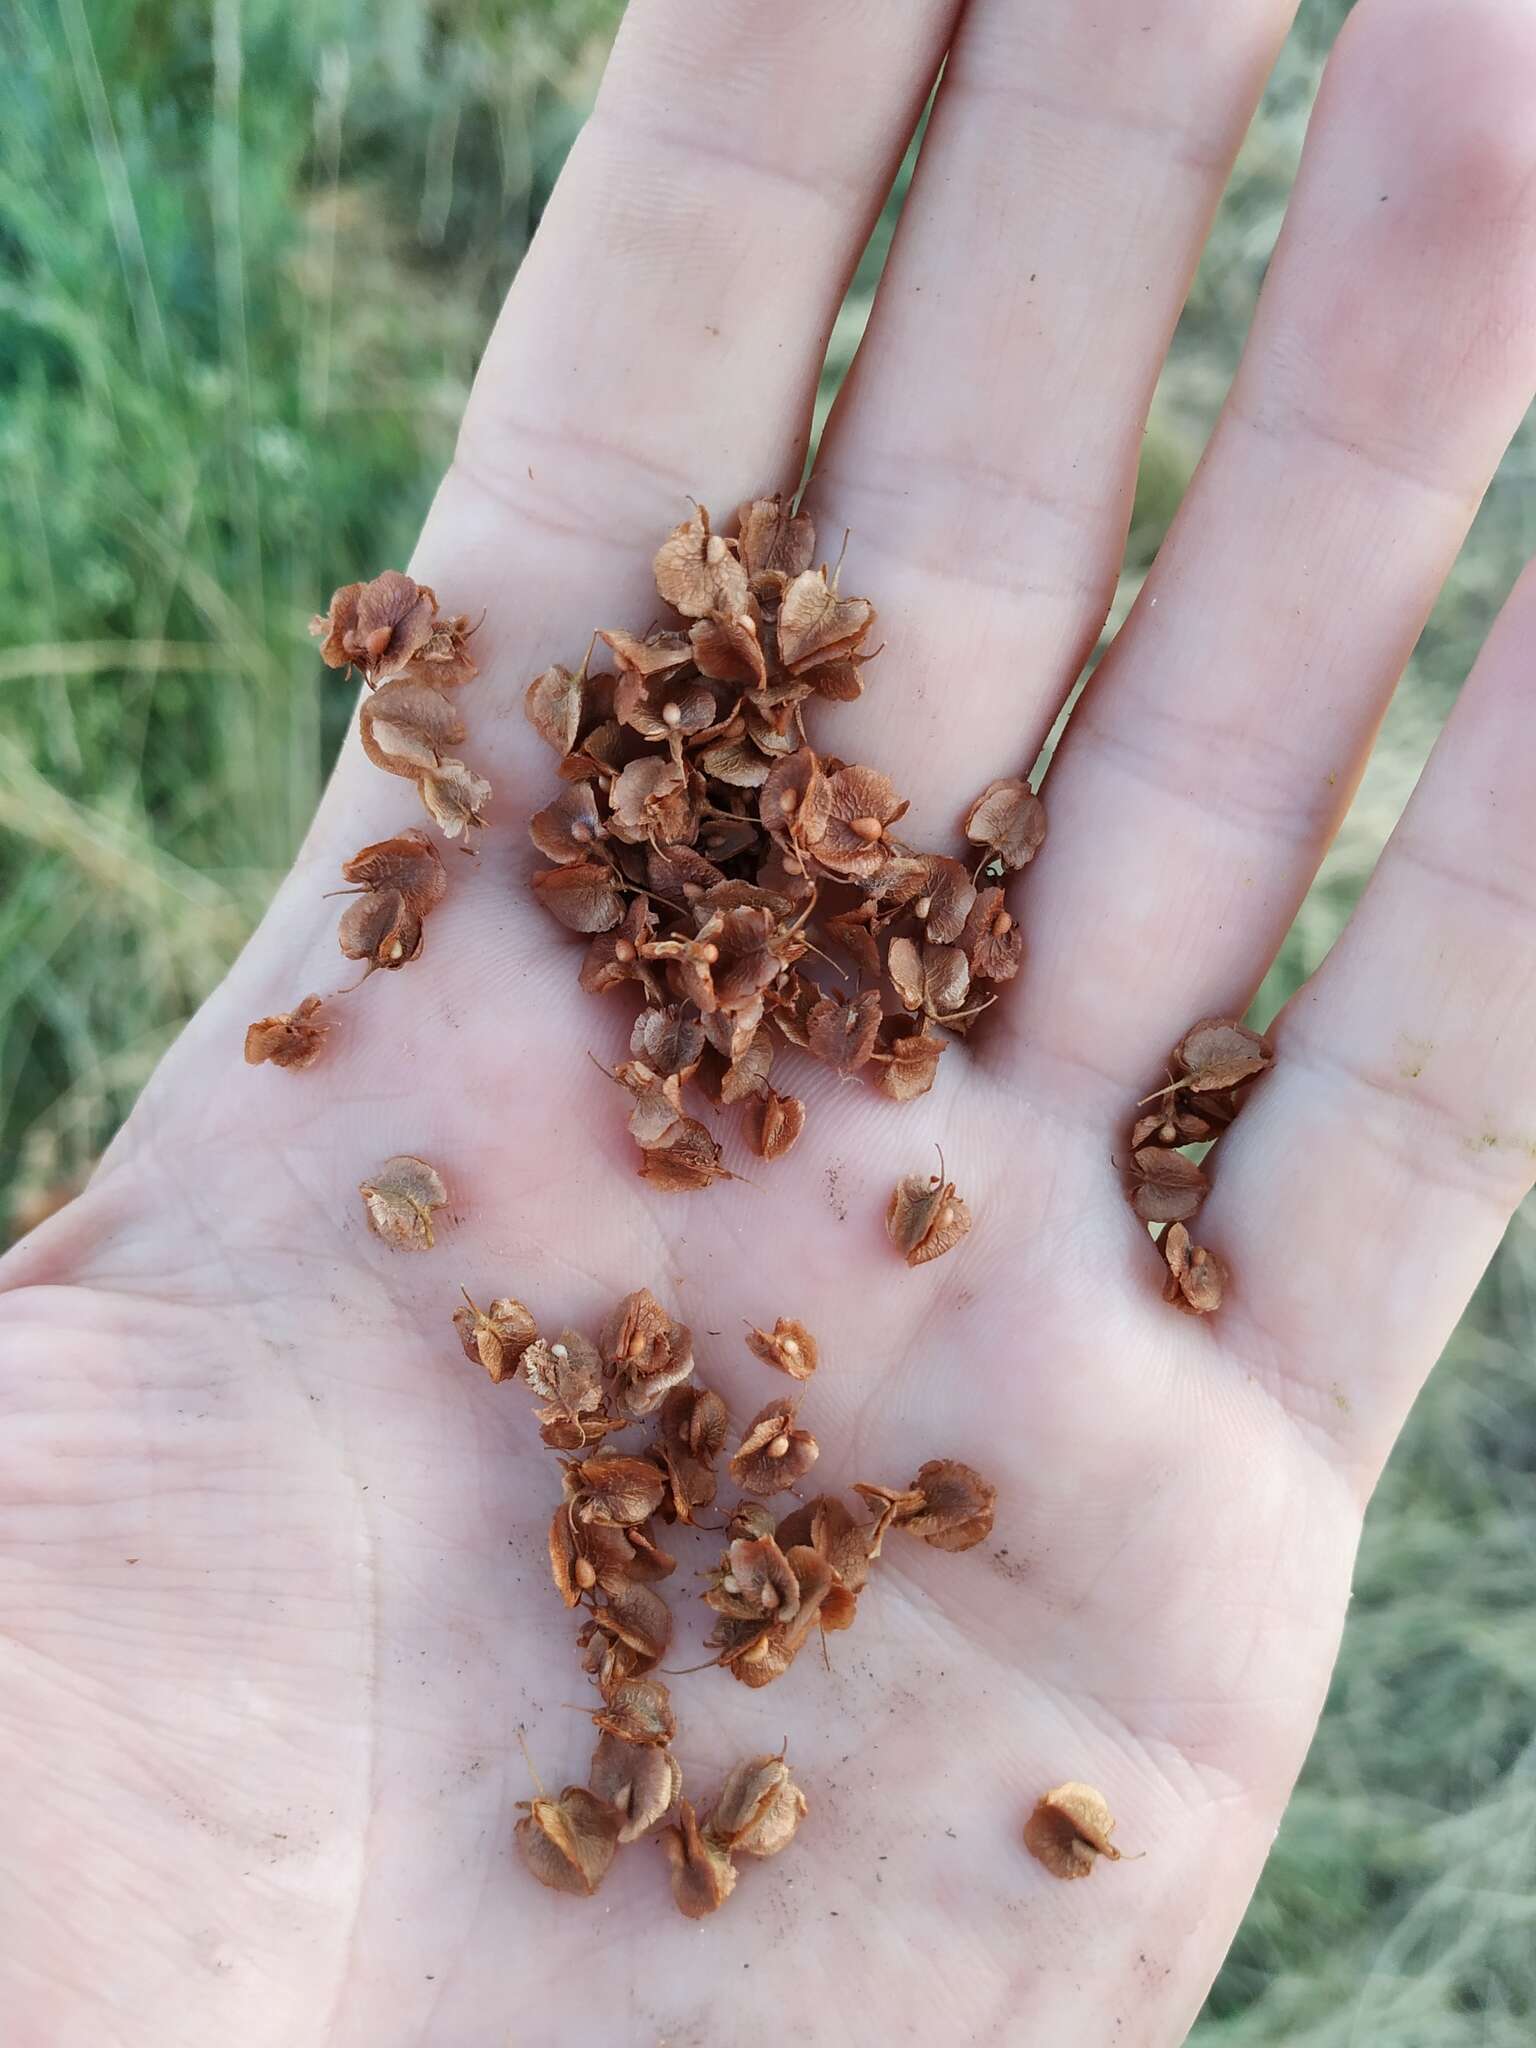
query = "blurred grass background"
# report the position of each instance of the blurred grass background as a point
(248, 253)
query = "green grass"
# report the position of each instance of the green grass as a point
(248, 252)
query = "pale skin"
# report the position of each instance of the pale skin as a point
(272, 1589)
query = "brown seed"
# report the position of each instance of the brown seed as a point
(857, 799)
(816, 625)
(584, 896)
(567, 1376)
(566, 830)
(760, 1650)
(609, 1487)
(399, 1201)
(949, 1505)
(637, 1710)
(775, 542)
(909, 1065)
(825, 1526)
(687, 1158)
(774, 1122)
(400, 882)
(1196, 1277)
(1009, 819)
(294, 1038)
(695, 571)
(632, 1614)
(703, 1876)
(455, 797)
(553, 704)
(773, 1453)
(646, 1352)
(407, 726)
(1069, 1831)
(754, 1579)
(926, 1218)
(691, 1432)
(843, 1031)
(640, 1782)
(758, 1809)
(568, 1843)
(1166, 1187)
(1219, 1053)
(991, 940)
(789, 1346)
(377, 627)
(495, 1337)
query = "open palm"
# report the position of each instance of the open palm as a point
(275, 1604)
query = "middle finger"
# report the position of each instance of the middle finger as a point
(984, 450)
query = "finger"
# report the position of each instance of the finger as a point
(984, 450)
(1374, 1171)
(663, 337)
(1393, 354)
(666, 331)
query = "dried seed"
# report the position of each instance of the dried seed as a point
(400, 882)
(637, 1710)
(991, 939)
(774, 1122)
(293, 1038)
(610, 1487)
(445, 661)
(773, 1453)
(754, 1582)
(1069, 1831)
(407, 726)
(759, 1652)
(568, 1843)
(948, 1504)
(788, 1345)
(842, 1030)
(640, 1783)
(686, 1160)
(1166, 1187)
(376, 627)
(860, 804)
(646, 1352)
(816, 625)
(585, 896)
(1196, 1277)
(455, 797)
(909, 1065)
(554, 703)
(775, 542)
(758, 1809)
(1219, 1053)
(691, 1434)
(703, 1876)
(696, 572)
(399, 1202)
(925, 1218)
(636, 1616)
(825, 1526)
(1008, 819)
(495, 1337)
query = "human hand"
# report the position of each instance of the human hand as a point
(274, 1596)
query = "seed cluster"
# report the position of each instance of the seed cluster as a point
(1212, 1070)
(782, 1577)
(410, 655)
(708, 854)
(705, 850)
